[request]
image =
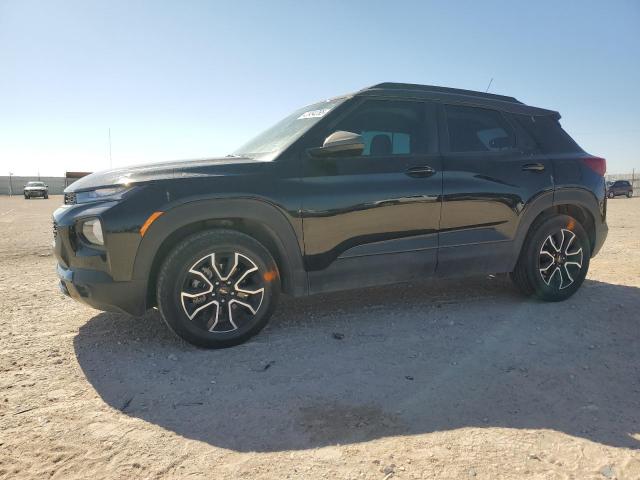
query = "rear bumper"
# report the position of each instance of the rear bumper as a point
(98, 290)
(602, 230)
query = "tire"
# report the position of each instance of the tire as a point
(46, 196)
(223, 305)
(554, 259)
(610, 195)
(629, 194)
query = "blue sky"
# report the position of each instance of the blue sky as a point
(190, 79)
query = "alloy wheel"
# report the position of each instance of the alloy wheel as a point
(222, 292)
(560, 260)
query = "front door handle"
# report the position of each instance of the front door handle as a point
(533, 167)
(420, 172)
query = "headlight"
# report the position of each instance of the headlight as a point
(92, 231)
(101, 194)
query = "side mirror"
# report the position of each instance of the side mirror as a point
(340, 143)
(46, 186)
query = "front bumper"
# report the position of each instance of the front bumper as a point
(99, 291)
(35, 193)
(99, 277)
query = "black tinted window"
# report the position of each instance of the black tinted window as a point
(391, 127)
(548, 133)
(478, 130)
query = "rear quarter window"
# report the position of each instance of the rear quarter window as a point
(548, 134)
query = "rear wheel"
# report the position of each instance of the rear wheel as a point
(218, 288)
(554, 260)
(629, 194)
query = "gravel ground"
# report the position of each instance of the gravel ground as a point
(447, 379)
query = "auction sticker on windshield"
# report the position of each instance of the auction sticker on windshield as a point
(314, 113)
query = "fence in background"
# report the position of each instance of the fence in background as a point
(17, 183)
(56, 184)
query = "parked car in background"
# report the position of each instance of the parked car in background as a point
(393, 183)
(619, 187)
(36, 189)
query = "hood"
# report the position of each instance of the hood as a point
(35, 188)
(160, 171)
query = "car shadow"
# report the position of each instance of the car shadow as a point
(402, 360)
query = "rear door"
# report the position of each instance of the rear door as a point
(490, 174)
(373, 218)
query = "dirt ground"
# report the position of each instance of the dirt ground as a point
(448, 379)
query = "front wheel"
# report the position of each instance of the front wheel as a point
(218, 288)
(629, 194)
(610, 195)
(554, 260)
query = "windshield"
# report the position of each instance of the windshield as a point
(35, 184)
(271, 142)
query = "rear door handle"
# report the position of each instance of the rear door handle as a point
(533, 167)
(420, 172)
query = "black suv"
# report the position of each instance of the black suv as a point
(619, 187)
(394, 183)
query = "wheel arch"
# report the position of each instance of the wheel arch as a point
(577, 203)
(256, 218)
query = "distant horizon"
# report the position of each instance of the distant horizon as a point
(176, 81)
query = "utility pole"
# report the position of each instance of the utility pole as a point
(110, 161)
(10, 185)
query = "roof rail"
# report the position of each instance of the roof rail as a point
(431, 88)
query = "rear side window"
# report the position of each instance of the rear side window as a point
(548, 133)
(474, 129)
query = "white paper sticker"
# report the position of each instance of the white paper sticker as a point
(314, 113)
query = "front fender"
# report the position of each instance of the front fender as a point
(271, 217)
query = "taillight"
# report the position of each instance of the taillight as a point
(597, 164)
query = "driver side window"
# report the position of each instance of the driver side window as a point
(388, 128)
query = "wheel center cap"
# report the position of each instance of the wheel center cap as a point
(223, 291)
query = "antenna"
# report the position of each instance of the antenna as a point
(489, 86)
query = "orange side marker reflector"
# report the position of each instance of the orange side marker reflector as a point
(572, 224)
(270, 276)
(152, 218)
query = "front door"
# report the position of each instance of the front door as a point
(373, 218)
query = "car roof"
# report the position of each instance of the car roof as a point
(453, 95)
